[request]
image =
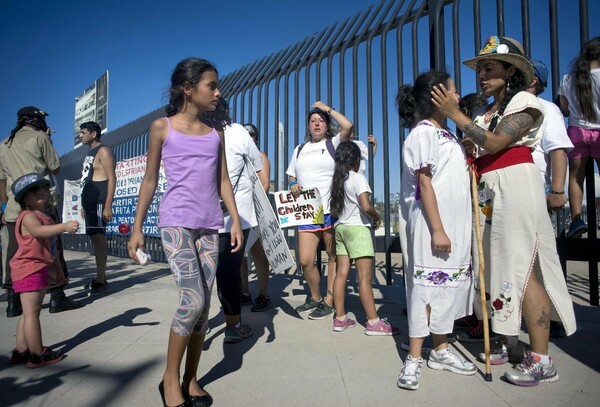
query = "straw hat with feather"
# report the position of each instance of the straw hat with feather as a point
(507, 50)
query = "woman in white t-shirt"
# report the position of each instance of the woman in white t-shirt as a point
(579, 100)
(239, 147)
(312, 166)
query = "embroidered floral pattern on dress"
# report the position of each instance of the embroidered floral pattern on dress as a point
(444, 278)
(485, 202)
(502, 307)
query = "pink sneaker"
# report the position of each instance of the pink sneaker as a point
(339, 326)
(381, 328)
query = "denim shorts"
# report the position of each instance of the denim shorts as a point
(318, 227)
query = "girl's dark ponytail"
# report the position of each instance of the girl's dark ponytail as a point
(407, 106)
(347, 155)
(414, 102)
(583, 78)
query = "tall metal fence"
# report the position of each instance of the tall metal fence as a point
(356, 66)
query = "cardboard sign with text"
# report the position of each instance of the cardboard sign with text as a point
(271, 235)
(306, 209)
(72, 204)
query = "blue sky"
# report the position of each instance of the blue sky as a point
(53, 50)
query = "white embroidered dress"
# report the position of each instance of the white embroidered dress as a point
(518, 238)
(444, 281)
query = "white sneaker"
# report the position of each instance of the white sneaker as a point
(410, 373)
(448, 360)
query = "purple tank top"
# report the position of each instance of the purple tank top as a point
(191, 166)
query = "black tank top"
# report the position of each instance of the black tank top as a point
(87, 173)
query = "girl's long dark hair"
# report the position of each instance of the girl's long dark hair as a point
(414, 102)
(189, 71)
(219, 118)
(583, 79)
(347, 156)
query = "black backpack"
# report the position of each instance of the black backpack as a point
(328, 143)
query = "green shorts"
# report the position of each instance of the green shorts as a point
(353, 241)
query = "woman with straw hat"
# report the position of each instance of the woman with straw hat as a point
(525, 277)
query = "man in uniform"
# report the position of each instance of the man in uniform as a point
(28, 149)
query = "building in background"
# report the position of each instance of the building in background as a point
(92, 105)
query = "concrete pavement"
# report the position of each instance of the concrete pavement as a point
(116, 348)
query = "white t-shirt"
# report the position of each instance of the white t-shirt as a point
(355, 185)
(554, 136)
(313, 168)
(364, 156)
(238, 144)
(568, 89)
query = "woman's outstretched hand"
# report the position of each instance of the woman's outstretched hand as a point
(444, 101)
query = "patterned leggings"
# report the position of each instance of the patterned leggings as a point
(192, 256)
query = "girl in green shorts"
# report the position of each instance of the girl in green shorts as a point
(350, 203)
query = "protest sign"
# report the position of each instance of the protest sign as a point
(271, 236)
(306, 209)
(72, 204)
(130, 174)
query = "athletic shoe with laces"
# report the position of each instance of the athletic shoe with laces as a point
(427, 343)
(339, 326)
(97, 287)
(308, 305)
(576, 229)
(381, 328)
(234, 334)
(448, 360)
(262, 303)
(16, 357)
(530, 372)
(47, 357)
(410, 373)
(475, 335)
(501, 352)
(322, 311)
(498, 353)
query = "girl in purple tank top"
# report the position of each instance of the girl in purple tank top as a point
(193, 156)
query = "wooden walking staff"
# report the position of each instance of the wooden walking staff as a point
(486, 327)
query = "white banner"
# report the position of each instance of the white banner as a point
(306, 209)
(271, 236)
(130, 174)
(72, 204)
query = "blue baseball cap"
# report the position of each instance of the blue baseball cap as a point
(26, 182)
(540, 71)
